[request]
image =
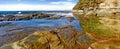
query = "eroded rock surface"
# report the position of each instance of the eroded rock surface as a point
(101, 23)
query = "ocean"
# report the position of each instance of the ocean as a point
(27, 12)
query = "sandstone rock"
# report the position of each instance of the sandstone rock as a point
(106, 44)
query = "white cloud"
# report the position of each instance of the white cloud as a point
(55, 2)
(35, 7)
(62, 3)
(69, 0)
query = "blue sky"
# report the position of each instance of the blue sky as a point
(9, 5)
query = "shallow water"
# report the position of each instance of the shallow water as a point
(50, 23)
(38, 23)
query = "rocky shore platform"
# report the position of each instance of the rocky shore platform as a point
(14, 28)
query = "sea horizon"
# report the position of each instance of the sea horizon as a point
(32, 11)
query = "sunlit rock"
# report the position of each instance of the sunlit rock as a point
(110, 4)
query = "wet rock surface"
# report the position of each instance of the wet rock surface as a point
(4, 23)
(17, 17)
(22, 26)
(60, 38)
(9, 34)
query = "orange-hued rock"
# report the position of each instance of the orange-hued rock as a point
(59, 38)
(110, 4)
(106, 44)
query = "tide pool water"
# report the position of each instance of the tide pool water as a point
(56, 23)
(48, 23)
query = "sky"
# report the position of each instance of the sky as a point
(16, 5)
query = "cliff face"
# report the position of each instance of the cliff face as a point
(97, 3)
(110, 4)
(100, 21)
(87, 4)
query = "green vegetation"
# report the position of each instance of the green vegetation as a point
(100, 32)
(103, 30)
(91, 25)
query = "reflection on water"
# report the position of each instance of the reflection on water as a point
(49, 23)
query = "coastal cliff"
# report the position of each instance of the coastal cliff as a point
(100, 20)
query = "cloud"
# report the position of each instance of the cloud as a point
(13, 7)
(69, 0)
(59, 5)
(62, 3)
